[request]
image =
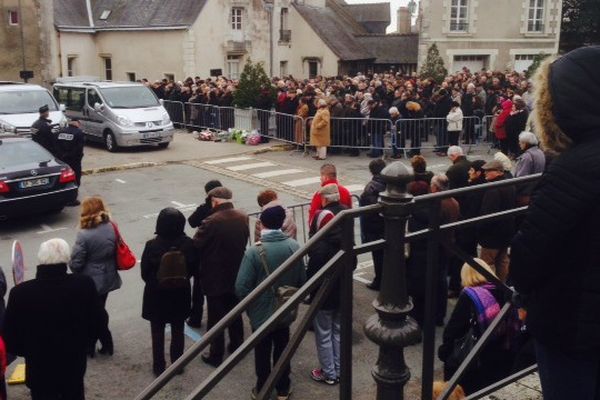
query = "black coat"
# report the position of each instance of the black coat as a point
(497, 234)
(515, 124)
(69, 145)
(50, 321)
(323, 251)
(458, 173)
(495, 359)
(200, 214)
(373, 223)
(221, 240)
(41, 133)
(166, 305)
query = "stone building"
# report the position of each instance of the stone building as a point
(27, 38)
(494, 35)
(137, 39)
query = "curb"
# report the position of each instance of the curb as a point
(123, 167)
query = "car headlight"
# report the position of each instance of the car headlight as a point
(124, 121)
(165, 119)
(7, 128)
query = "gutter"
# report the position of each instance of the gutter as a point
(88, 5)
(108, 29)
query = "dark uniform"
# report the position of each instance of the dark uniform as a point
(41, 131)
(68, 147)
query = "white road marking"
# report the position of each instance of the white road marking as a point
(227, 160)
(245, 167)
(271, 174)
(303, 181)
(361, 279)
(355, 188)
(436, 166)
(49, 229)
(364, 265)
(120, 180)
(181, 205)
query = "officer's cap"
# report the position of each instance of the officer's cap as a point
(44, 109)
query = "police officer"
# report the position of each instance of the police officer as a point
(41, 130)
(69, 148)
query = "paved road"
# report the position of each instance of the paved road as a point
(135, 196)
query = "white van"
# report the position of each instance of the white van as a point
(19, 107)
(117, 114)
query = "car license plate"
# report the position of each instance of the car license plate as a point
(34, 182)
(149, 135)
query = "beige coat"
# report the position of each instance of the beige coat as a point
(320, 129)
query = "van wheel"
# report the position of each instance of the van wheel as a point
(163, 145)
(110, 142)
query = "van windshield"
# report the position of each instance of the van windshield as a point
(25, 102)
(129, 97)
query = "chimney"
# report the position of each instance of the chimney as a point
(404, 20)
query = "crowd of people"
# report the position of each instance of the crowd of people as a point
(553, 261)
(363, 108)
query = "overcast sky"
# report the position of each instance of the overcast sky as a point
(394, 4)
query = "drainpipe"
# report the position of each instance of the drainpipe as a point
(269, 7)
(88, 5)
(21, 23)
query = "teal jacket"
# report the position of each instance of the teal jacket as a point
(278, 248)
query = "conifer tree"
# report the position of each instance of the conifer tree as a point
(433, 68)
(252, 80)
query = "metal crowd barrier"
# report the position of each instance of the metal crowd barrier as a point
(407, 136)
(176, 111)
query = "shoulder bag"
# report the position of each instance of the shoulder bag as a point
(125, 258)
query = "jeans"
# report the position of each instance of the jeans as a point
(327, 337)
(566, 377)
(218, 307)
(158, 342)
(275, 342)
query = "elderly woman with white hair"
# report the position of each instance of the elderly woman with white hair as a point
(50, 320)
(532, 160)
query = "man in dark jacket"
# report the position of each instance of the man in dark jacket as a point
(555, 256)
(372, 225)
(443, 105)
(494, 237)
(327, 321)
(195, 220)
(67, 306)
(378, 124)
(68, 147)
(458, 173)
(41, 130)
(221, 241)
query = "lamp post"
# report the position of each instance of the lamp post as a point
(269, 7)
(391, 328)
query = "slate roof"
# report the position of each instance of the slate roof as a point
(392, 48)
(334, 32)
(372, 12)
(128, 14)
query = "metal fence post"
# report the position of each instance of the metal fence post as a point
(391, 328)
(346, 299)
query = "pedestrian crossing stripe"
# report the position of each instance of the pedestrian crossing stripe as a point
(228, 160)
(244, 167)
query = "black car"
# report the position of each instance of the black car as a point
(32, 180)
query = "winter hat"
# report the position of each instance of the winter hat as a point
(493, 165)
(273, 217)
(170, 223)
(331, 192)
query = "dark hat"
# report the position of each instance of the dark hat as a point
(477, 165)
(44, 109)
(220, 193)
(493, 165)
(273, 217)
(170, 223)
(210, 185)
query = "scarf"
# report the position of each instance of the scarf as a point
(486, 306)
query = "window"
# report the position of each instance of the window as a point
(285, 34)
(473, 63)
(71, 66)
(71, 98)
(313, 69)
(131, 76)
(13, 17)
(93, 97)
(105, 14)
(236, 18)
(459, 16)
(108, 68)
(523, 62)
(535, 19)
(283, 68)
(233, 67)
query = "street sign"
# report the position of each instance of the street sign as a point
(18, 263)
(26, 74)
(216, 72)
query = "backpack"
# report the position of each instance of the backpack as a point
(172, 271)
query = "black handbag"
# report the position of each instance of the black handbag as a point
(463, 346)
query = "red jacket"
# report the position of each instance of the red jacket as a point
(501, 121)
(315, 204)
